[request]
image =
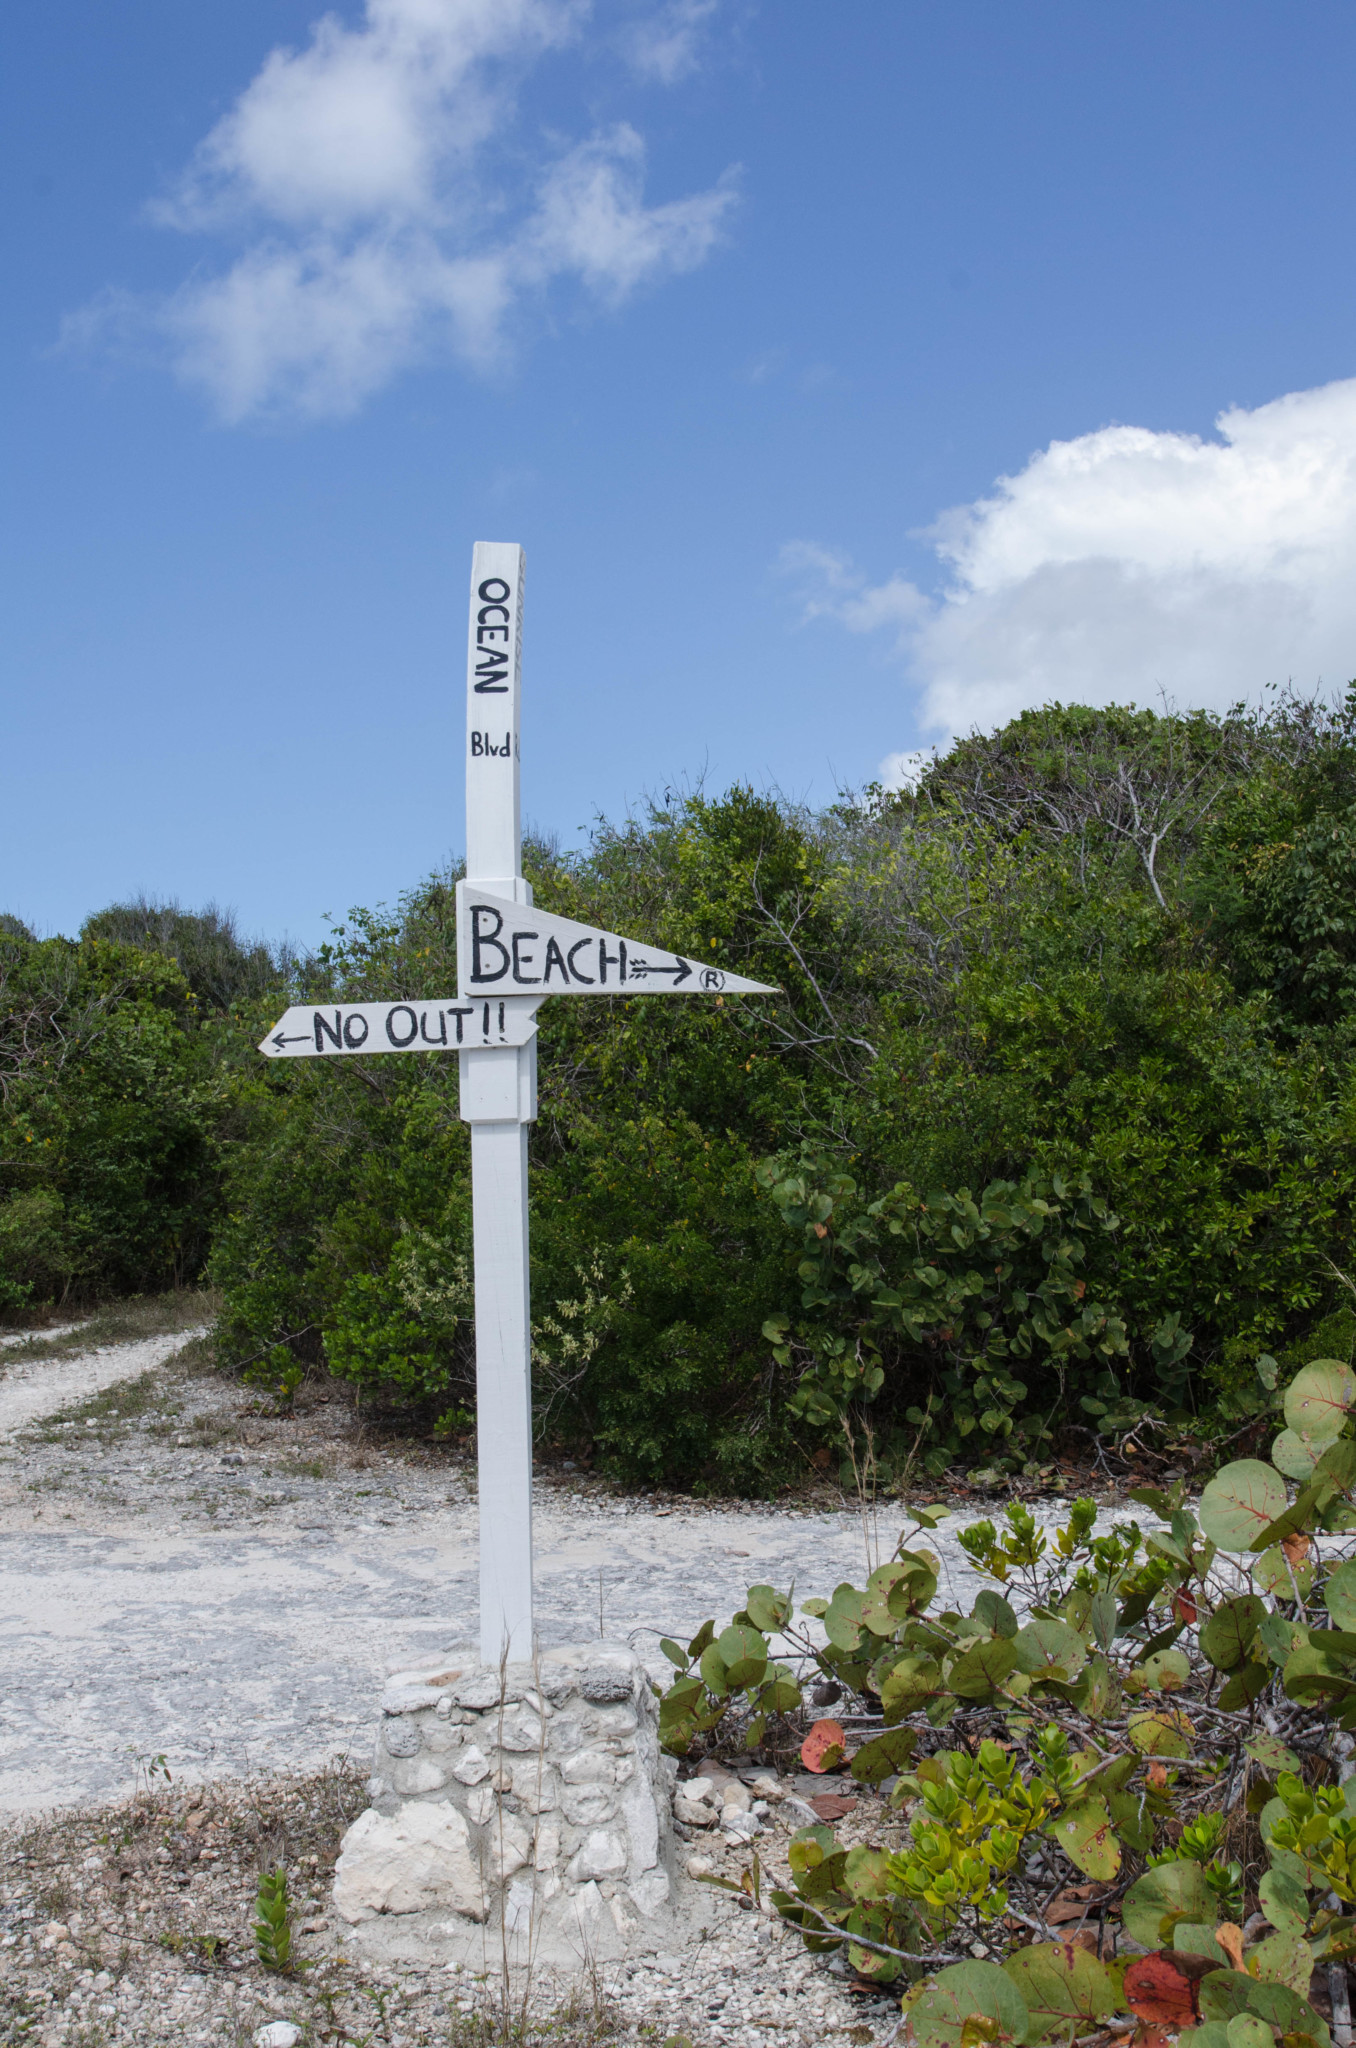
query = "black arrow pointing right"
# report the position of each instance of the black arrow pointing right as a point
(641, 967)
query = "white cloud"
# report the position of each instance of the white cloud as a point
(390, 213)
(665, 45)
(1130, 564)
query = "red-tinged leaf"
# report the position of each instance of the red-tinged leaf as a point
(1183, 1606)
(824, 1746)
(1153, 2037)
(1161, 1988)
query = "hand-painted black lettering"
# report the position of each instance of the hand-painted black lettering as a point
(334, 1036)
(487, 633)
(355, 1031)
(502, 609)
(606, 959)
(491, 672)
(461, 1014)
(575, 970)
(481, 943)
(426, 1034)
(502, 1008)
(712, 978)
(477, 745)
(485, 1023)
(402, 1009)
(521, 939)
(490, 585)
(555, 958)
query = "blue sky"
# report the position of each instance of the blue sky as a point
(850, 374)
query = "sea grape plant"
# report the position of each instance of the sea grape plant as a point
(1105, 1724)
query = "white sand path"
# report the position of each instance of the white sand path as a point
(131, 1624)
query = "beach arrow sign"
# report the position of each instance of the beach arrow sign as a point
(440, 1024)
(507, 948)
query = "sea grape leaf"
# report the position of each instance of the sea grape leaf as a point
(866, 1874)
(1160, 1989)
(1061, 1984)
(1340, 1594)
(843, 1618)
(993, 1610)
(743, 1652)
(1102, 1618)
(1226, 1637)
(824, 1746)
(768, 1609)
(1085, 1834)
(1250, 1679)
(1160, 1734)
(912, 1682)
(1157, 1901)
(1271, 1753)
(1240, 1502)
(1050, 1649)
(1246, 2030)
(1196, 1938)
(713, 1671)
(938, 2018)
(981, 1670)
(1166, 1670)
(1295, 1455)
(884, 1754)
(1209, 2034)
(1318, 1399)
(1309, 1674)
(1275, 1574)
(1284, 1902)
(1283, 1958)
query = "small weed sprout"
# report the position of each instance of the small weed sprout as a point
(273, 1926)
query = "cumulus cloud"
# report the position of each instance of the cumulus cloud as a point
(386, 211)
(1131, 564)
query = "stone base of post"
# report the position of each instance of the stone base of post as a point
(519, 1813)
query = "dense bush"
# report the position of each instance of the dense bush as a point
(115, 1102)
(1066, 1028)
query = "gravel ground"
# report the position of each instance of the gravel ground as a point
(189, 1577)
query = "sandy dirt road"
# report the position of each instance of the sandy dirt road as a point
(182, 1578)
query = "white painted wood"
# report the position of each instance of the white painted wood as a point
(506, 946)
(311, 1031)
(498, 1100)
(503, 1383)
(493, 690)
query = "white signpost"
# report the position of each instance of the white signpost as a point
(510, 957)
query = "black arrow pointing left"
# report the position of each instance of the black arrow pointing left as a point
(296, 1039)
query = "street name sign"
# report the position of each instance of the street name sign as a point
(321, 1030)
(510, 958)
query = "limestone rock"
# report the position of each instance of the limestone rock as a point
(471, 1766)
(697, 1803)
(417, 1860)
(601, 1854)
(401, 1738)
(585, 1805)
(509, 1846)
(606, 1681)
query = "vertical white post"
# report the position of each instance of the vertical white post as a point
(498, 1100)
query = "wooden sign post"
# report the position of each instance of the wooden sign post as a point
(510, 957)
(499, 1100)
